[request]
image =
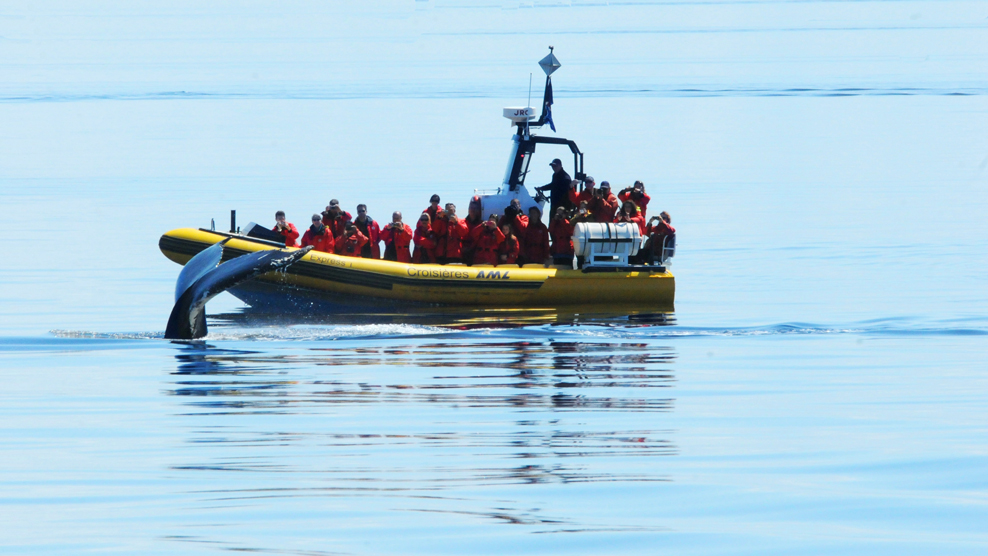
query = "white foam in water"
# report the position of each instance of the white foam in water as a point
(283, 333)
(336, 332)
(83, 334)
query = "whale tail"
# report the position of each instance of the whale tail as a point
(203, 278)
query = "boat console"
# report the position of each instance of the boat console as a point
(523, 144)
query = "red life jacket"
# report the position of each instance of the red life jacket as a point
(450, 238)
(535, 243)
(338, 224)
(657, 233)
(290, 235)
(321, 240)
(485, 244)
(562, 237)
(425, 245)
(396, 242)
(350, 246)
(466, 244)
(518, 223)
(432, 215)
(370, 229)
(641, 203)
(603, 208)
(509, 249)
(637, 219)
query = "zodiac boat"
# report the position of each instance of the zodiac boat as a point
(332, 282)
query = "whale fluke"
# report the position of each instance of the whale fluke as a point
(203, 278)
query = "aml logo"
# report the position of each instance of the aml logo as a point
(493, 274)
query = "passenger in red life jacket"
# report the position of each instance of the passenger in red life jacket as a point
(629, 213)
(286, 229)
(351, 242)
(472, 220)
(604, 204)
(561, 231)
(451, 233)
(319, 236)
(636, 194)
(486, 240)
(438, 226)
(425, 241)
(370, 229)
(513, 217)
(433, 209)
(336, 218)
(535, 240)
(659, 227)
(396, 237)
(507, 252)
(582, 214)
(585, 195)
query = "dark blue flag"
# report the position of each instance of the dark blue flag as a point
(547, 103)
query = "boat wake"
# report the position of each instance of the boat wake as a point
(283, 332)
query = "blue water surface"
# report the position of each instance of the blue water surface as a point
(820, 388)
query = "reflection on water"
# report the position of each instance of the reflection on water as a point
(460, 318)
(455, 429)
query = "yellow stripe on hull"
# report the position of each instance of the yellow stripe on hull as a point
(503, 286)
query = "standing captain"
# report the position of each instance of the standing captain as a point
(558, 188)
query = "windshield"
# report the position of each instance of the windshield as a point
(526, 160)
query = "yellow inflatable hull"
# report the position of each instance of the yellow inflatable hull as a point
(355, 281)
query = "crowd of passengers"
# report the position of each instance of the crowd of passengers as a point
(441, 236)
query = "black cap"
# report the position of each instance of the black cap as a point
(605, 184)
(316, 218)
(556, 161)
(334, 203)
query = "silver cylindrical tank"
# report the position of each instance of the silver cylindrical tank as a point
(601, 239)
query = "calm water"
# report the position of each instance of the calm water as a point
(820, 388)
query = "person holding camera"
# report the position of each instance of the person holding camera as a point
(286, 229)
(450, 233)
(603, 204)
(486, 240)
(397, 236)
(658, 229)
(351, 242)
(508, 250)
(586, 195)
(636, 194)
(558, 188)
(629, 213)
(425, 241)
(561, 230)
(535, 240)
(336, 218)
(583, 214)
(433, 210)
(472, 221)
(370, 229)
(513, 217)
(319, 236)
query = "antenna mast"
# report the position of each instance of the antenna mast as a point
(529, 101)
